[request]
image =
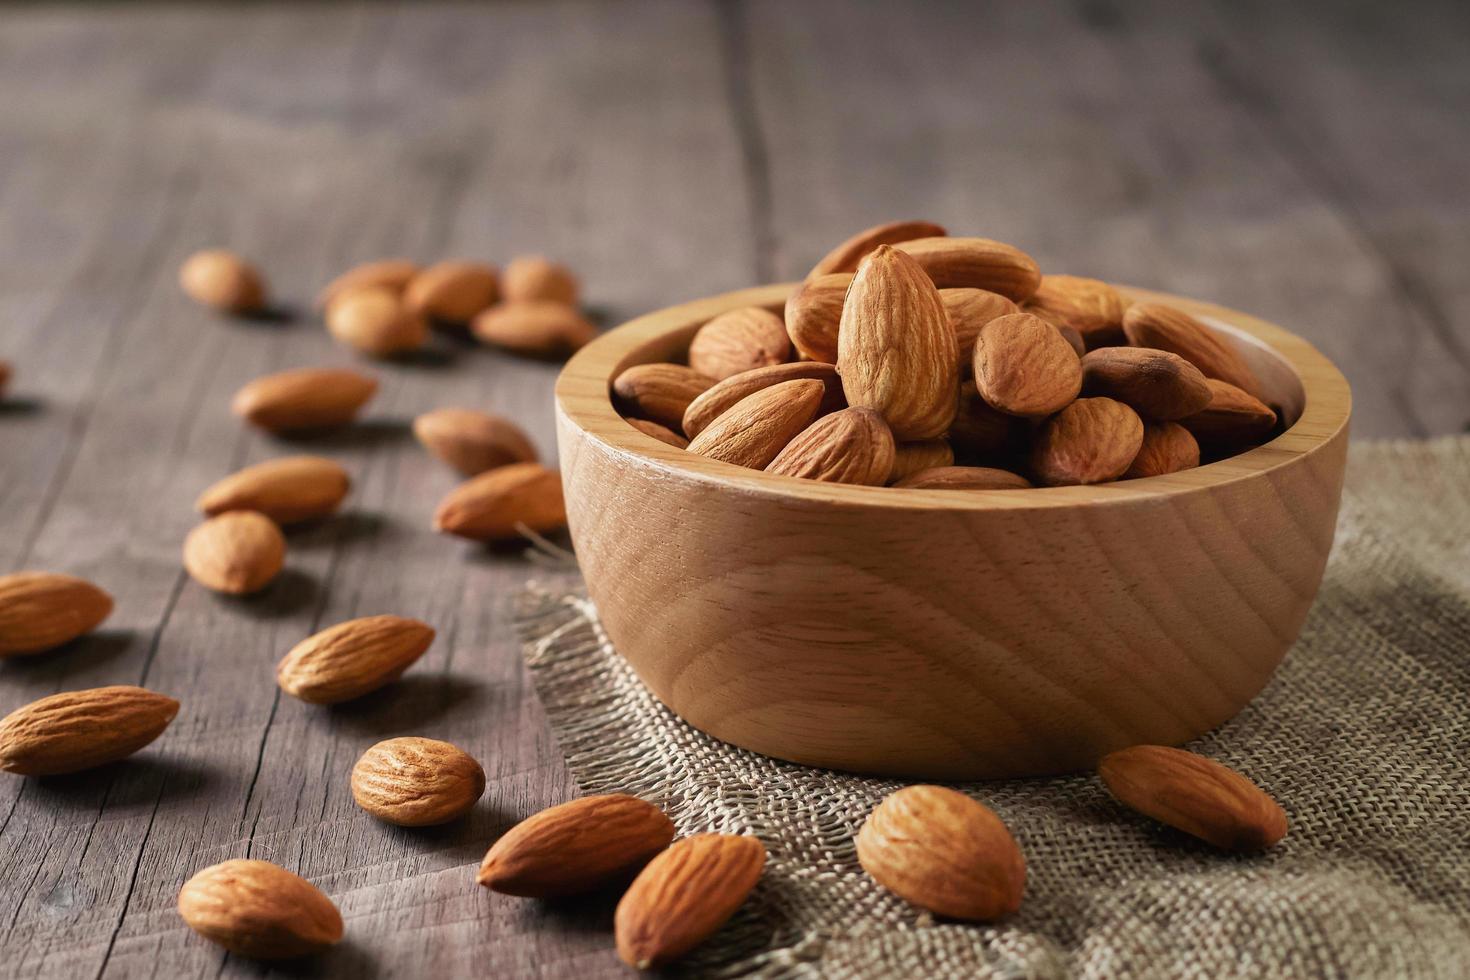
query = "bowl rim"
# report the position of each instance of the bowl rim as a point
(584, 400)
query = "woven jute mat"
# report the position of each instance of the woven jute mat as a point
(1363, 736)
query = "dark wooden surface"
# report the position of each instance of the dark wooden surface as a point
(1304, 163)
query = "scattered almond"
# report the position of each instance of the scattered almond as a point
(659, 432)
(1196, 795)
(259, 910)
(756, 428)
(222, 280)
(1090, 441)
(850, 446)
(393, 275)
(976, 263)
(846, 256)
(1167, 448)
(715, 401)
(304, 398)
(238, 552)
(353, 658)
(1232, 419)
(1165, 328)
(287, 490)
(43, 610)
(660, 392)
(454, 291)
(813, 314)
(944, 852)
(535, 328)
(684, 895)
(1024, 367)
(416, 782)
(1154, 383)
(911, 457)
(534, 277)
(576, 847)
(375, 321)
(964, 478)
(740, 340)
(1090, 306)
(493, 505)
(79, 730)
(473, 442)
(968, 311)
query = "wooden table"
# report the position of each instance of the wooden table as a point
(1305, 165)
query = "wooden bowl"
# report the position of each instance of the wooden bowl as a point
(950, 634)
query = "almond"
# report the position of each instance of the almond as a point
(238, 552)
(846, 256)
(1167, 448)
(944, 852)
(416, 782)
(1090, 441)
(1154, 383)
(717, 400)
(287, 490)
(976, 263)
(756, 428)
(375, 321)
(259, 910)
(42, 610)
(739, 340)
(979, 431)
(353, 658)
(454, 292)
(533, 277)
(79, 730)
(1024, 367)
(473, 442)
(911, 457)
(813, 314)
(493, 505)
(535, 328)
(1090, 306)
(1232, 419)
(968, 311)
(1196, 795)
(223, 280)
(850, 446)
(963, 478)
(393, 275)
(304, 398)
(659, 432)
(896, 350)
(1165, 328)
(576, 847)
(1072, 337)
(661, 392)
(5, 373)
(684, 895)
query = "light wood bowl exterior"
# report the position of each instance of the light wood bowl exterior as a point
(950, 634)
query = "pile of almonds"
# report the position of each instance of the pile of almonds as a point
(906, 351)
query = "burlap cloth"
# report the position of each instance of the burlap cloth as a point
(1363, 736)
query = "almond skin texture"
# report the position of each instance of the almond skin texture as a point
(532, 277)
(576, 847)
(659, 432)
(287, 490)
(896, 351)
(304, 399)
(718, 399)
(977, 263)
(473, 442)
(661, 392)
(968, 311)
(79, 730)
(1092, 440)
(238, 552)
(1165, 328)
(1167, 448)
(536, 328)
(850, 446)
(416, 782)
(1024, 367)
(740, 340)
(353, 658)
(490, 506)
(393, 275)
(1232, 419)
(911, 457)
(846, 256)
(1156, 384)
(259, 910)
(1090, 306)
(375, 321)
(943, 852)
(1196, 795)
(42, 610)
(755, 429)
(222, 280)
(813, 314)
(684, 896)
(964, 478)
(454, 292)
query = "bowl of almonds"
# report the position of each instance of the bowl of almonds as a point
(932, 513)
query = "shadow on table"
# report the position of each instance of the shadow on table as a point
(80, 654)
(411, 702)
